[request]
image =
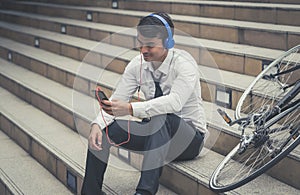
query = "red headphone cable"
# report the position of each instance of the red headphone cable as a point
(98, 88)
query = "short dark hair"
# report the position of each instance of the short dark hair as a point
(150, 26)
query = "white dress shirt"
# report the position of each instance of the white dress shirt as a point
(180, 83)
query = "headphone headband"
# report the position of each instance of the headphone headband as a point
(169, 42)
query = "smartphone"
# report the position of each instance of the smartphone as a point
(101, 95)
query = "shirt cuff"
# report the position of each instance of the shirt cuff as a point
(104, 120)
(139, 109)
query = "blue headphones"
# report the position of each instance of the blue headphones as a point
(169, 42)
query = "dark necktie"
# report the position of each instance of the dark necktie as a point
(158, 90)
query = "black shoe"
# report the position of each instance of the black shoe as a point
(137, 193)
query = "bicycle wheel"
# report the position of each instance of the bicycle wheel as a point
(237, 169)
(270, 85)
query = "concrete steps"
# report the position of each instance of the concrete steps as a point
(242, 32)
(264, 1)
(58, 149)
(245, 11)
(21, 174)
(268, 11)
(108, 3)
(55, 100)
(57, 67)
(56, 71)
(238, 58)
(54, 89)
(77, 48)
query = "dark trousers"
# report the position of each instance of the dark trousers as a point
(163, 139)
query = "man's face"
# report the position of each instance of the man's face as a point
(152, 49)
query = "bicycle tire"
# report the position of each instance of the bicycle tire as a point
(222, 178)
(263, 93)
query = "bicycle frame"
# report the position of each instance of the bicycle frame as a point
(283, 103)
(259, 121)
(261, 134)
(267, 115)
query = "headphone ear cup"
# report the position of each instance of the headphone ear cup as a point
(169, 43)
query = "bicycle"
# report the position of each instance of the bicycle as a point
(268, 115)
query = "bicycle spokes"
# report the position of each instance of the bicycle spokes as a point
(268, 115)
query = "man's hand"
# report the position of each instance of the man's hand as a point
(117, 107)
(95, 138)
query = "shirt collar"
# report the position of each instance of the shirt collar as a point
(164, 67)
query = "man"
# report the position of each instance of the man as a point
(173, 125)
